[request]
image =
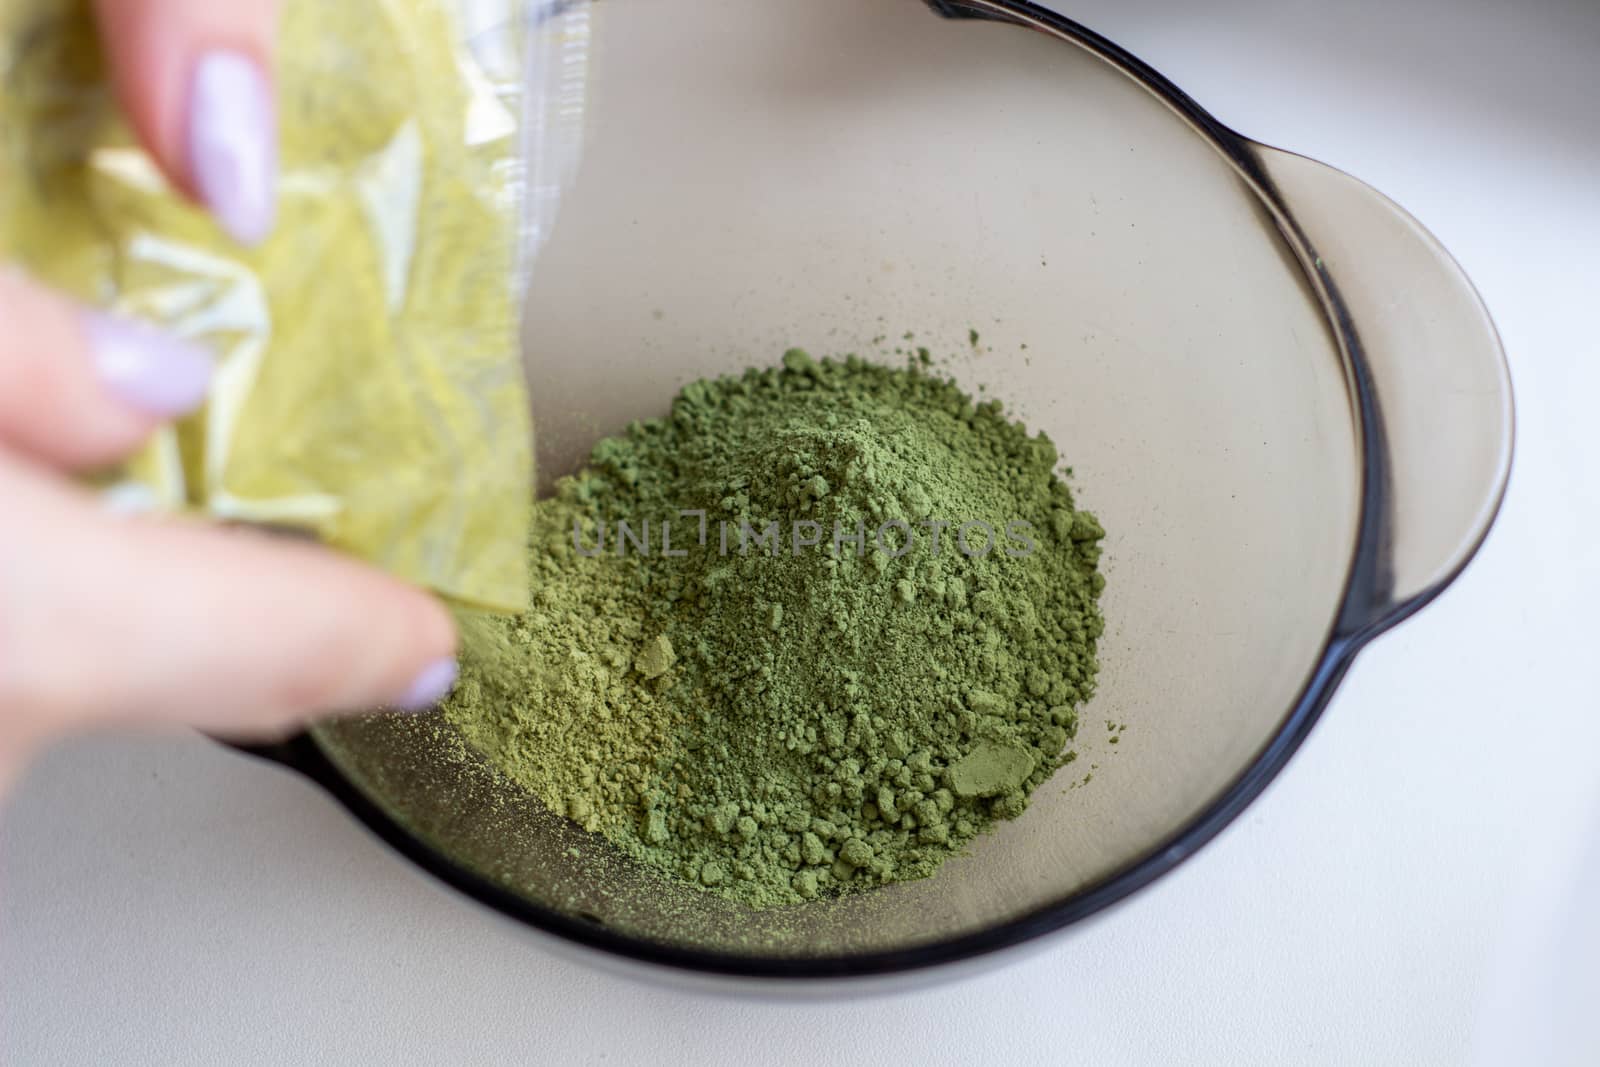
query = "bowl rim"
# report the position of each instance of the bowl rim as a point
(1353, 627)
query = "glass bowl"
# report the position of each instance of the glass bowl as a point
(1280, 395)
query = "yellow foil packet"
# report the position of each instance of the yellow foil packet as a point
(369, 381)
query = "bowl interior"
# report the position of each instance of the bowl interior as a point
(827, 173)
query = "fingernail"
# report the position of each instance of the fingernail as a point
(233, 144)
(431, 686)
(146, 368)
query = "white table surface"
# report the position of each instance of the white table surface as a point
(162, 901)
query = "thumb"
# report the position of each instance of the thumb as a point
(119, 620)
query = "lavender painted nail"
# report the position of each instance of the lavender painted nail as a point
(146, 368)
(431, 686)
(233, 144)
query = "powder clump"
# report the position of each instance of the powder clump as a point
(656, 659)
(861, 621)
(990, 770)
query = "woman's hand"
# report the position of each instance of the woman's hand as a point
(109, 619)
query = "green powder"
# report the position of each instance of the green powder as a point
(865, 641)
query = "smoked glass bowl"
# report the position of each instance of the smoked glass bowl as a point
(1280, 395)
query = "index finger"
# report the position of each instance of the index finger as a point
(195, 80)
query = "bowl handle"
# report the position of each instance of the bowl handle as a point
(1428, 372)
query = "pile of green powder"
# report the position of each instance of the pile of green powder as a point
(839, 700)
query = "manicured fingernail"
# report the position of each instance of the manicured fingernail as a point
(431, 686)
(233, 144)
(146, 368)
